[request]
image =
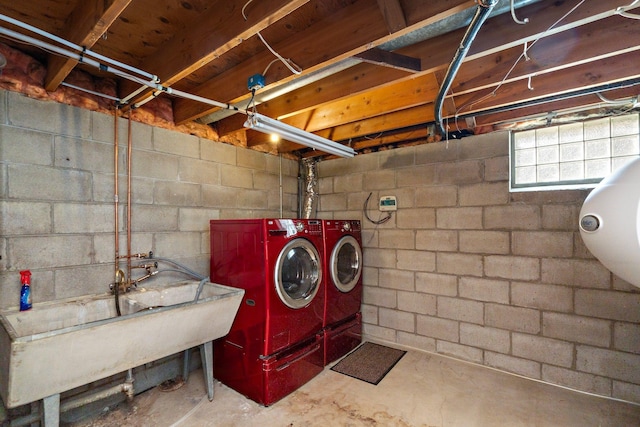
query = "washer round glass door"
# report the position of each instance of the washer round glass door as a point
(298, 273)
(346, 263)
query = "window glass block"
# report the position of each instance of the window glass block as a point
(525, 175)
(597, 149)
(597, 129)
(525, 139)
(625, 145)
(547, 136)
(526, 157)
(548, 173)
(597, 168)
(550, 154)
(571, 171)
(574, 155)
(573, 132)
(625, 125)
(618, 162)
(572, 152)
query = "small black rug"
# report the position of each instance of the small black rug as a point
(369, 362)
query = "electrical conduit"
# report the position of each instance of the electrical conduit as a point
(482, 13)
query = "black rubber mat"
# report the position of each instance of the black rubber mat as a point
(369, 362)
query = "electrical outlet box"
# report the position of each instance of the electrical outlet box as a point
(255, 82)
(388, 203)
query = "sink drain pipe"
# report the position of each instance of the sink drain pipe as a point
(147, 381)
(482, 13)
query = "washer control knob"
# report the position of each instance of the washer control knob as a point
(299, 227)
(346, 226)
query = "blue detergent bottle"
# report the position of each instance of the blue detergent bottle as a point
(25, 291)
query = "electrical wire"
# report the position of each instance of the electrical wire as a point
(366, 215)
(515, 18)
(292, 66)
(369, 137)
(269, 66)
(252, 101)
(92, 92)
(633, 101)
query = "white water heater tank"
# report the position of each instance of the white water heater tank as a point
(610, 222)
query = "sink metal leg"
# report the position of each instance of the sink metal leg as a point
(185, 364)
(206, 353)
(36, 409)
(51, 409)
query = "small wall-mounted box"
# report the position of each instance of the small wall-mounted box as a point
(388, 203)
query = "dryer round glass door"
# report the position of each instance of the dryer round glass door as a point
(346, 263)
(298, 273)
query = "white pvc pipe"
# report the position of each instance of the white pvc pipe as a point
(85, 52)
(63, 52)
(80, 58)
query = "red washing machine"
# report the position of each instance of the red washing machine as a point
(275, 343)
(342, 327)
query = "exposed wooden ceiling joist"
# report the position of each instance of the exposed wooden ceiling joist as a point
(567, 48)
(187, 53)
(323, 44)
(370, 69)
(393, 15)
(88, 21)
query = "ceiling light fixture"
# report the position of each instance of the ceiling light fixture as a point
(268, 125)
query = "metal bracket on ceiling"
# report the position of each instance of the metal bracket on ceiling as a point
(550, 116)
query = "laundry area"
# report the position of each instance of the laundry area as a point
(319, 213)
(421, 390)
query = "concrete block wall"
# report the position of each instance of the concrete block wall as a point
(466, 269)
(57, 195)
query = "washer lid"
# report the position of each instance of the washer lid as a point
(346, 263)
(298, 273)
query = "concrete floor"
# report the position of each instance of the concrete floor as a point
(421, 390)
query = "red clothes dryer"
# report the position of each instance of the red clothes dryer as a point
(342, 327)
(275, 343)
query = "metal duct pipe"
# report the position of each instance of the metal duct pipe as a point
(482, 13)
(309, 189)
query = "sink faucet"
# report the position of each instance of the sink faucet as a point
(122, 285)
(149, 274)
(119, 284)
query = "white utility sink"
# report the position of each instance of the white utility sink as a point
(60, 345)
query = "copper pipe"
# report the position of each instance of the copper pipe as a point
(118, 273)
(129, 149)
(140, 255)
(115, 188)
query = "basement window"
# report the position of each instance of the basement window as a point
(575, 155)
